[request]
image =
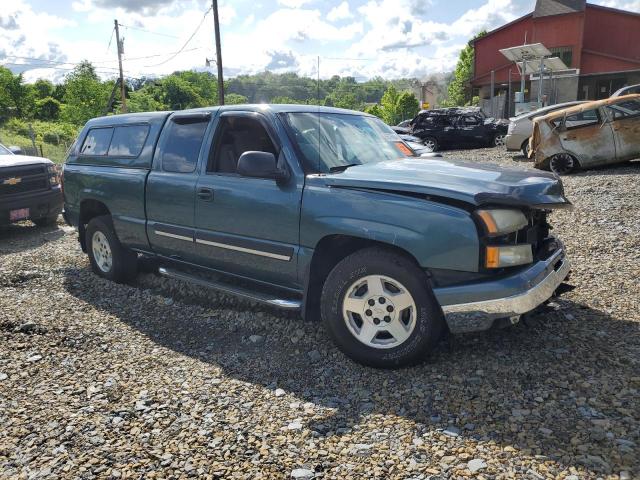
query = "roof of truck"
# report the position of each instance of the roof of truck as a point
(145, 117)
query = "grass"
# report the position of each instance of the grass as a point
(55, 153)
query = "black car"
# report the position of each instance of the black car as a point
(458, 128)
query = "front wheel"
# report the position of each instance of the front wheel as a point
(379, 309)
(499, 140)
(108, 257)
(525, 148)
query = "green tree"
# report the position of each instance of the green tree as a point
(180, 94)
(85, 96)
(47, 109)
(408, 106)
(374, 110)
(146, 99)
(459, 90)
(235, 99)
(43, 88)
(389, 106)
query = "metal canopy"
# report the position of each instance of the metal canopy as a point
(553, 64)
(525, 52)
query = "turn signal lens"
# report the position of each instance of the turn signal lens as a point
(508, 256)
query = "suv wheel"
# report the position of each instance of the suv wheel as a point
(379, 309)
(562, 164)
(431, 144)
(108, 257)
(499, 140)
(49, 221)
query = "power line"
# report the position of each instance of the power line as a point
(185, 43)
(113, 30)
(149, 31)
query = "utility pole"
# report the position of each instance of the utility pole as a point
(216, 25)
(120, 52)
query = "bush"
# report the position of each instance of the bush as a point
(17, 126)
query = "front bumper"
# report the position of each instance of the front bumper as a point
(40, 204)
(484, 302)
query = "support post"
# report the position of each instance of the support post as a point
(216, 26)
(493, 87)
(120, 52)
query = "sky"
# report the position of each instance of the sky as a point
(360, 38)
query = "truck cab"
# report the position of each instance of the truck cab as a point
(318, 209)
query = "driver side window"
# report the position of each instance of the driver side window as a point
(235, 136)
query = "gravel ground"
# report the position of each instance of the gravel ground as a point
(155, 380)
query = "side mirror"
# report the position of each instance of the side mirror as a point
(16, 150)
(260, 165)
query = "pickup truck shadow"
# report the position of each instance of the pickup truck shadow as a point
(560, 385)
(23, 236)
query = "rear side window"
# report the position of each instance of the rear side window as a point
(182, 145)
(627, 108)
(97, 141)
(128, 140)
(579, 120)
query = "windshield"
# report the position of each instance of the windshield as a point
(5, 151)
(331, 141)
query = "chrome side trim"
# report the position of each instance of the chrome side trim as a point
(173, 235)
(476, 316)
(286, 258)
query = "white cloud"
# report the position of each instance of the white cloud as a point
(630, 5)
(339, 12)
(293, 3)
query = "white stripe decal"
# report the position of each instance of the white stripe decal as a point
(245, 250)
(173, 235)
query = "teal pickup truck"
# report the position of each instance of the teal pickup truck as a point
(318, 209)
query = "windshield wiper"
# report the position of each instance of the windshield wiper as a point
(342, 168)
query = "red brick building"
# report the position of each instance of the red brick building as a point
(600, 45)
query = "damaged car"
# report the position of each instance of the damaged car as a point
(458, 127)
(594, 133)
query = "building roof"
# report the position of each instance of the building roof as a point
(545, 8)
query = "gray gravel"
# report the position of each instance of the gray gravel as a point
(156, 380)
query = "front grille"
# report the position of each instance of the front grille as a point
(536, 233)
(23, 179)
(22, 171)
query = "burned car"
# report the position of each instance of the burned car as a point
(458, 128)
(587, 135)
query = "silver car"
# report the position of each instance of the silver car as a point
(627, 90)
(521, 127)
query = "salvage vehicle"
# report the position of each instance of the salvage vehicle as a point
(521, 127)
(631, 89)
(458, 128)
(590, 134)
(29, 189)
(318, 209)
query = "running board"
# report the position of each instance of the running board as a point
(288, 304)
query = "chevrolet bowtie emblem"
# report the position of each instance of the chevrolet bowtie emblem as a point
(12, 181)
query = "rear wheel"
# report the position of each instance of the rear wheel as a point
(499, 140)
(562, 164)
(108, 257)
(525, 148)
(49, 221)
(431, 144)
(379, 309)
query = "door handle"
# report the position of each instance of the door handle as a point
(205, 194)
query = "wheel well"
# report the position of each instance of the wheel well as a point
(547, 161)
(89, 209)
(328, 252)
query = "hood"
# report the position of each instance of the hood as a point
(472, 183)
(496, 121)
(18, 160)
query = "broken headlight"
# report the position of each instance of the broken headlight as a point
(502, 221)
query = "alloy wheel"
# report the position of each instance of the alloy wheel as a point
(379, 311)
(101, 251)
(562, 163)
(499, 140)
(431, 144)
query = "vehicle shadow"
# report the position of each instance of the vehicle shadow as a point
(563, 385)
(19, 237)
(628, 168)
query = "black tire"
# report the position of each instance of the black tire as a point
(124, 262)
(429, 322)
(431, 140)
(49, 221)
(525, 148)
